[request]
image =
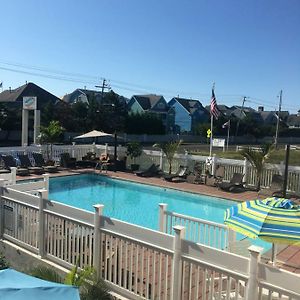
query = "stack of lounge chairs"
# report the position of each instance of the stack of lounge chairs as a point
(10, 162)
(180, 174)
(276, 187)
(26, 163)
(40, 162)
(152, 171)
(236, 183)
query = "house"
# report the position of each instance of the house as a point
(293, 120)
(270, 117)
(84, 96)
(188, 114)
(154, 104)
(14, 97)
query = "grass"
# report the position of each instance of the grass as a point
(275, 158)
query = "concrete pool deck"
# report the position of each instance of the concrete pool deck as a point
(288, 257)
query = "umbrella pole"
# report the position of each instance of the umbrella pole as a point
(115, 152)
(274, 253)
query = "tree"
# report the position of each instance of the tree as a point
(257, 158)
(3, 263)
(50, 135)
(169, 150)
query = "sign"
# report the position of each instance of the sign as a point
(29, 103)
(218, 143)
(208, 132)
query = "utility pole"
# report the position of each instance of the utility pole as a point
(103, 87)
(239, 120)
(278, 120)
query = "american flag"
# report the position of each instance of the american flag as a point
(213, 106)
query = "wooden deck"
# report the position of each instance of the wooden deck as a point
(288, 257)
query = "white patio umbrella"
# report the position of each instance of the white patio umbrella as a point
(93, 134)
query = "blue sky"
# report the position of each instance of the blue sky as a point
(168, 47)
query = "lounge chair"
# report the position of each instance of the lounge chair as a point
(9, 162)
(217, 178)
(235, 183)
(180, 174)
(26, 163)
(40, 162)
(276, 187)
(66, 161)
(153, 170)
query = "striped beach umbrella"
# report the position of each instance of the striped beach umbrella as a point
(275, 220)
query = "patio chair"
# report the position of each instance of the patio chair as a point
(66, 161)
(9, 162)
(180, 174)
(217, 178)
(40, 162)
(236, 182)
(26, 163)
(276, 187)
(152, 171)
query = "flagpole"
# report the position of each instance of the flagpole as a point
(211, 127)
(211, 134)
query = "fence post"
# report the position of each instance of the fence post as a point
(231, 239)
(252, 286)
(97, 238)
(2, 182)
(162, 217)
(177, 262)
(214, 161)
(41, 226)
(73, 149)
(46, 185)
(161, 159)
(13, 172)
(245, 170)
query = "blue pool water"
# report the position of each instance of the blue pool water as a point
(133, 202)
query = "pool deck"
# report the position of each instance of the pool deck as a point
(288, 257)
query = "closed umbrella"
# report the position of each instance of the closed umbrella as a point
(275, 220)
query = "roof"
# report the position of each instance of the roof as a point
(28, 89)
(70, 98)
(147, 102)
(293, 120)
(191, 105)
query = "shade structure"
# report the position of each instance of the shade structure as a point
(93, 134)
(15, 285)
(276, 220)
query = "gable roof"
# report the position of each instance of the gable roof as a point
(190, 105)
(147, 102)
(293, 120)
(28, 89)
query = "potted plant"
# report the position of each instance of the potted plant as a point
(49, 135)
(134, 150)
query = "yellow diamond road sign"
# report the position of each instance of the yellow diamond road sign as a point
(208, 132)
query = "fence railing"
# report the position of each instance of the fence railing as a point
(136, 262)
(148, 157)
(196, 230)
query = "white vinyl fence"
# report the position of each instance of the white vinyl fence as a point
(136, 262)
(155, 156)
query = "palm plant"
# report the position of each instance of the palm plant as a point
(50, 134)
(169, 149)
(91, 286)
(46, 273)
(257, 159)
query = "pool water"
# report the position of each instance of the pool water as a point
(133, 202)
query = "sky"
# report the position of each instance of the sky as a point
(167, 47)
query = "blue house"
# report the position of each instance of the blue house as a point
(188, 114)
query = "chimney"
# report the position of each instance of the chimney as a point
(260, 108)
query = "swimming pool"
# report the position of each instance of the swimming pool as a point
(134, 202)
